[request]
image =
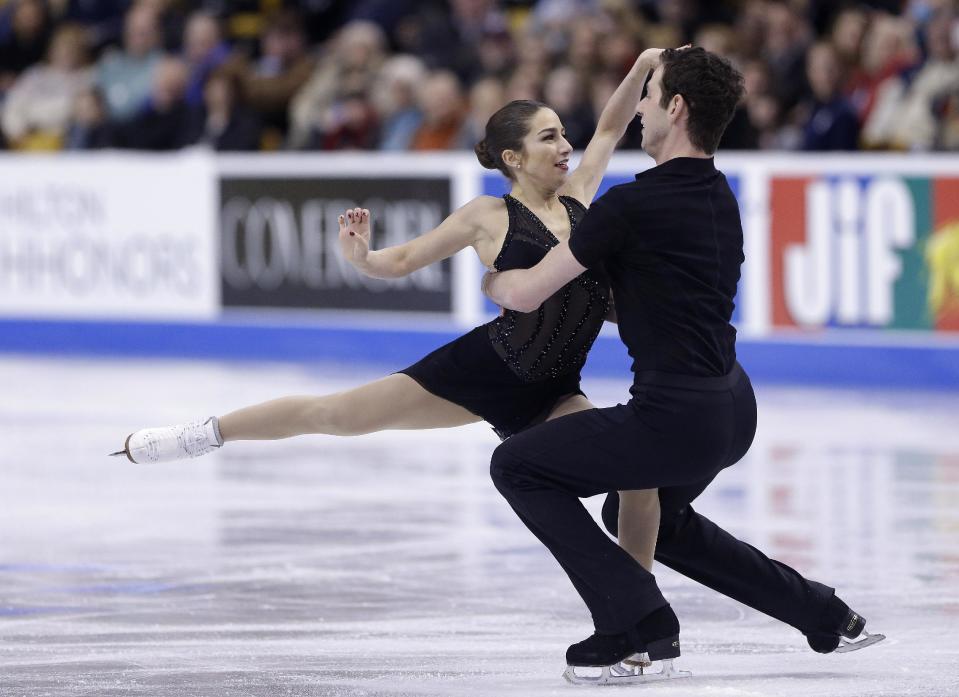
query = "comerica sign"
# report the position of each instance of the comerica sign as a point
(869, 244)
(280, 242)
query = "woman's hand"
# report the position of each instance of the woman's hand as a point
(355, 235)
(649, 58)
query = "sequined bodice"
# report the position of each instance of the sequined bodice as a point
(552, 340)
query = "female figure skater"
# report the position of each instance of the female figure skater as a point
(517, 371)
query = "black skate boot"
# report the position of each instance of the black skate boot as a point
(843, 630)
(655, 638)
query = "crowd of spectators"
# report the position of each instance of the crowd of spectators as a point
(427, 74)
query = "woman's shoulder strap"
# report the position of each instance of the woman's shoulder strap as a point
(575, 203)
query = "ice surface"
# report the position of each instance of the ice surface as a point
(388, 564)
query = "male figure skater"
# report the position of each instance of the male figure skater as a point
(671, 243)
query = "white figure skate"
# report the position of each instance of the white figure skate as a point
(169, 443)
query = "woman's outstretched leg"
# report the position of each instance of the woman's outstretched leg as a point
(393, 402)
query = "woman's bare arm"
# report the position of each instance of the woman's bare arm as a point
(461, 229)
(613, 121)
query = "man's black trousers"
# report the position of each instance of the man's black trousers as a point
(676, 434)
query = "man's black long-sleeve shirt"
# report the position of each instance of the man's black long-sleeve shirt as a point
(672, 244)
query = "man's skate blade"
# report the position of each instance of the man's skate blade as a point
(845, 646)
(621, 674)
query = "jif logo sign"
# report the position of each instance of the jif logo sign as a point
(856, 251)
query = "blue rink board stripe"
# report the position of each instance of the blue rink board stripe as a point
(899, 366)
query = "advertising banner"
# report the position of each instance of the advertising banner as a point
(280, 246)
(864, 251)
(108, 237)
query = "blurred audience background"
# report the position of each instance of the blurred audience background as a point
(426, 74)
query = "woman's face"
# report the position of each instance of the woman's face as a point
(545, 155)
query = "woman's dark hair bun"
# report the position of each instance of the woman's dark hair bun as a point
(505, 130)
(483, 155)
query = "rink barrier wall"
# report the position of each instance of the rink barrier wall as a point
(852, 271)
(920, 365)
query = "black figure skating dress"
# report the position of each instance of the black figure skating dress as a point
(515, 369)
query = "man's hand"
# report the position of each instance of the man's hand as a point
(498, 287)
(355, 235)
(487, 286)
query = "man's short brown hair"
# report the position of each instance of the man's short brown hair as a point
(711, 88)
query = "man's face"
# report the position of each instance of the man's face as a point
(201, 37)
(822, 71)
(140, 34)
(654, 118)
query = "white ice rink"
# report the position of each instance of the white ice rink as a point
(389, 565)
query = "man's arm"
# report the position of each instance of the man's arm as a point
(600, 234)
(525, 290)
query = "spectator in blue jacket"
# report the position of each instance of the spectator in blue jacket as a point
(832, 123)
(204, 51)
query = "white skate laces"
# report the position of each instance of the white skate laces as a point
(169, 443)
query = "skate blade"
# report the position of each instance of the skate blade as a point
(126, 450)
(123, 453)
(621, 674)
(861, 642)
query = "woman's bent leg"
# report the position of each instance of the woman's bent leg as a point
(394, 402)
(639, 524)
(638, 510)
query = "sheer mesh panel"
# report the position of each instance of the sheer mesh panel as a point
(554, 339)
